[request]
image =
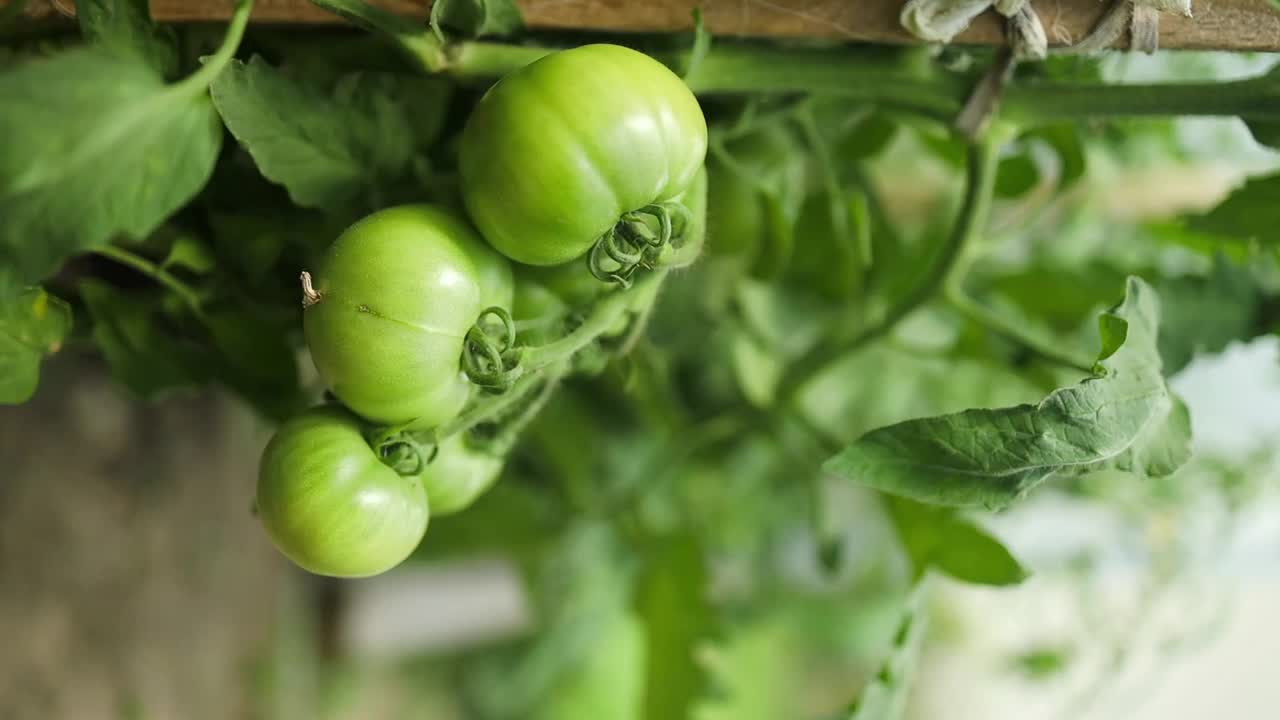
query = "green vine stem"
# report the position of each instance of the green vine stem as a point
(199, 80)
(154, 271)
(1000, 325)
(492, 407)
(902, 78)
(603, 317)
(980, 175)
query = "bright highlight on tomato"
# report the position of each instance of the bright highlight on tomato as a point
(330, 504)
(557, 151)
(398, 292)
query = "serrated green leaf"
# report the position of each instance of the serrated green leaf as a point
(992, 458)
(33, 324)
(671, 600)
(473, 18)
(96, 144)
(255, 359)
(189, 253)
(939, 538)
(583, 587)
(124, 27)
(885, 696)
(1249, 213)
(142, 357)
(1204, 314)
(328, 150)
(610, 680)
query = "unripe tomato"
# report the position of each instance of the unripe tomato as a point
(330, 504)
(459, 474)
(557, 151)
(398, 292)
(540, 309)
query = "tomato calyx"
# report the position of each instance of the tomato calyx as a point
(638, 240)
(401, 450)
(489, 355)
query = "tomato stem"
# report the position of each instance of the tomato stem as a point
(983, 160)
(603, 317)
(492, 407)
(977, 313)
(900, 78)
(156, 272)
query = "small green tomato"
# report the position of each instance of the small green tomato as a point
(331, 504)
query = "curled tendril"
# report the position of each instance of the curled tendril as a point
(403, 455)
(489, 354)
(634, 243)
(507, 339)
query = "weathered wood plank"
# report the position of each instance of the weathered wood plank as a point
(1218, 24)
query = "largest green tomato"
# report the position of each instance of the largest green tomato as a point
(330, 504)
(556, 152)
(397, 293)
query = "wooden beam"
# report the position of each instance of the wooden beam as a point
(1217, 25)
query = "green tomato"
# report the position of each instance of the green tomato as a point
(398, 292)
(540, 309)
(459, 474)
(556, 152)
(572, 283)
(330, 504)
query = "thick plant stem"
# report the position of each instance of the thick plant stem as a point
(894, 78)
(199, 81)
(495, 406)
(983, 158)
(603, 317)
(1041, 102)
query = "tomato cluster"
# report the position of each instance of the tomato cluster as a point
(553, 158)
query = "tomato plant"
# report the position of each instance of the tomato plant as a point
(332, 504)
(725, 346)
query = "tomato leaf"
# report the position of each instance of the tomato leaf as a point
(671, 599)
(336, 150)
(473, 18)
(1064, 140)
(1204, 314)
(583, 584)
(255, 359)
(939, 538)
(142, 356)
(189, 253)
(32, 324)
(1124, 416)
(885, 696)
(1017, 175)
(124, 27)
(868, 138)
(96, 144)
(1249, 213)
